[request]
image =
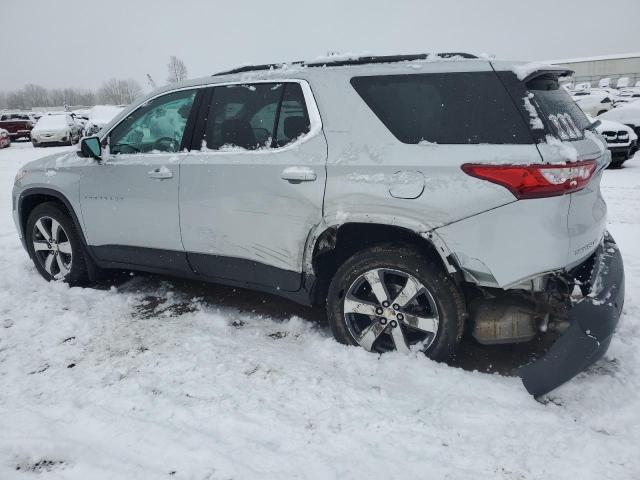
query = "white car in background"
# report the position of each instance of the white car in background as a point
(622, 141)
(628, 114)
(594, 104)
(58, 129)
(626, 95)
(99, 116)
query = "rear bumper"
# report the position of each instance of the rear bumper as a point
(20, 134)
(592, 323)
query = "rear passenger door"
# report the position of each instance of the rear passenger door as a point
(250, 197)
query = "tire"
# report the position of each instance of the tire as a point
(72, 267)
(440, 305)
(616, 164)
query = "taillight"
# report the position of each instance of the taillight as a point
(535, 181)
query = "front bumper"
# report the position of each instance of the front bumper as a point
(622, 152)
(592, 322)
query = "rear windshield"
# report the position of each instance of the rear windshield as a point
(557, 108)
(446, 108)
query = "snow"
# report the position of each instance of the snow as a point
(155, 376)
(103, 114)
(564, 150)
(534, 119)
(49, 122)
(522, 71)
(627, 113)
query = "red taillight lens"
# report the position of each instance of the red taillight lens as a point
(535, 181)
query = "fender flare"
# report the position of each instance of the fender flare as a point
(59, 196)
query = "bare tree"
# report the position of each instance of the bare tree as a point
(177, 70)
(35, 96)
(119, 92)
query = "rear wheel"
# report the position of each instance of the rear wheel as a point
(392, 297)
(54, 245)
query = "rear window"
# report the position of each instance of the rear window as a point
(446, 108)
(561, 113)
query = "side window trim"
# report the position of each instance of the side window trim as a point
(189, 129)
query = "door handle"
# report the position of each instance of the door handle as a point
(298, 174)
(161, 173)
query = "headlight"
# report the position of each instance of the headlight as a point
(19, 176)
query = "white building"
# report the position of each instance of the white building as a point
(595, 69)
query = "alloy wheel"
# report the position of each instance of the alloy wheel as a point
(387, 309)
(52, 247)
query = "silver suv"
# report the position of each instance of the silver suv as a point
(415, 197)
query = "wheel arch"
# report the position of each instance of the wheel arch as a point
(336, 243)
(32, 197)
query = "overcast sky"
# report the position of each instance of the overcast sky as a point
(83, 42)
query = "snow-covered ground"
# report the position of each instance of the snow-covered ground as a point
(160, 378)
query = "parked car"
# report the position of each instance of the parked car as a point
(19, 125)
(5, 138)
(594, 104)
(55, 129)
(99, 116)
(628, 114)
(622, 141)
(404, 194)
(626, 95)
(77, 127)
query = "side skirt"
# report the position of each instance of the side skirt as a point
(235, 272)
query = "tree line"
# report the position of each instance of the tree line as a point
(115, 91)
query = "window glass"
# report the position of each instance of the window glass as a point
(157, 126)
(294, 119)
(242, 116)
(448, 108)
(245, 116)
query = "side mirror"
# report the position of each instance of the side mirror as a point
(90, 147)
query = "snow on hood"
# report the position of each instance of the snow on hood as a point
(629, 113)
(609, 125)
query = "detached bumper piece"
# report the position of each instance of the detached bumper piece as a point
(592, 322)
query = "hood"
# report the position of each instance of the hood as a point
(56, 160)
(628, 114)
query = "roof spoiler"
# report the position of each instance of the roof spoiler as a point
(556, 72)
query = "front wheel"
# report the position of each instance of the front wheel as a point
(393, 297)
(54, 245)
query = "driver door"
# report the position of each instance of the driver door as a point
(129, 201)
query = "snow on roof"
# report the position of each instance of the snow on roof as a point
(618, 56)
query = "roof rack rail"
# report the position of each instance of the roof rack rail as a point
(338, 62)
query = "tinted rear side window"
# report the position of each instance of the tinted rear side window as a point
(453, 108)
